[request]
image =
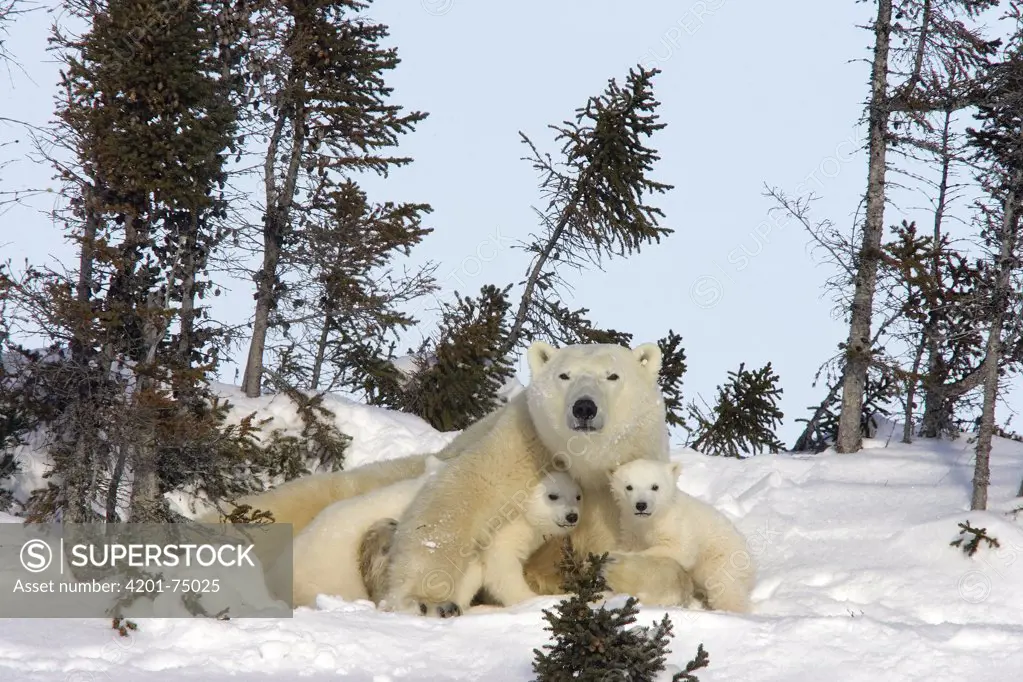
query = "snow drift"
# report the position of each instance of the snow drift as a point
(857, 582)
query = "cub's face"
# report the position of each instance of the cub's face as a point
(555, 504)
(594, 391)
(644, 487)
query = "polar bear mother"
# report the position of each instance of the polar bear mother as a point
(587, 410)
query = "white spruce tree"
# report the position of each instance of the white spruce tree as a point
(319, 108)
(149, 118)
(597, 192)
(743, 419)
(349, 309)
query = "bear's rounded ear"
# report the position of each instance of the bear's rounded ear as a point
(538, 355)
(649, 356)
(676, 470)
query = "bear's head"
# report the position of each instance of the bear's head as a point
(591, 403)
(644, 487)
(554, 505)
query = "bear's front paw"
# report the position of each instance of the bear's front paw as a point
(656, 581)
(444, 609)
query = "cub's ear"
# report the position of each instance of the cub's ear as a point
(676, 471)
(649, 357)
(538, 355)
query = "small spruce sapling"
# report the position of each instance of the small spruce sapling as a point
(971, 546)
(599, 644)
(123, 625)
(673, 369)
(460, 373)
(745, 416)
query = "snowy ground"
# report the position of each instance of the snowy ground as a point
(857, 582)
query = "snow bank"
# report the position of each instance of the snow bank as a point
(857, 582)
(376, 433)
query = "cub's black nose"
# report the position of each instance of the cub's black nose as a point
(572, 518)
(584, 409)
(641, 506)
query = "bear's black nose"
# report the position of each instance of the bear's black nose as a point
(584, 409)
(641, 506)
(572, 518)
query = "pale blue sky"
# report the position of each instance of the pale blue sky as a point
(752, 92)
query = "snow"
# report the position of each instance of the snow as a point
(376, 433)
(857, 581)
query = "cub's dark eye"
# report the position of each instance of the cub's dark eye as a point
(628, 487)
(612, 377)
(655, 487)
(552, 497)
(564, 376)
(578, 497)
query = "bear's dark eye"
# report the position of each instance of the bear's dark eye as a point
(612, 377)
(564, 376)
(552, 497)
(628, 487)
(578, 497)
(655, 487)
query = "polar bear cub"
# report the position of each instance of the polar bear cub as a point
(552, 510)
(326, 553)
(658, 519)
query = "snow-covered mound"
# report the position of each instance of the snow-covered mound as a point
(376, 433)
(857, 581)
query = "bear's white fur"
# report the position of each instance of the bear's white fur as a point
(325, 555)
(552, 511)
(659, 519)
(588, 409)
(495, 462)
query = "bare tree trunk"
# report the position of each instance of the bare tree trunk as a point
(186, 341)
(937, 405)
(146, 501)
(935, 420)
(147, 505)
(275, 222)
(86, 258)
(907, 426)
(321, 351)
(78, 447)
(541, 260)
(992, 356)
(982, 466)
(921, 49)
(115, 485)
(80, 462)
(858, 348)
(252, 379)
(938, 411)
